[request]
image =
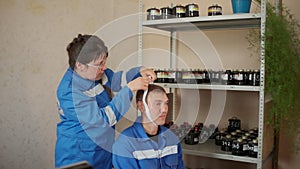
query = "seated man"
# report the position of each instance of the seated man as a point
(147, 144)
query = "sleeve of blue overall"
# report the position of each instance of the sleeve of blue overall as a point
(122, 154)
(91, 117)
(118, 80)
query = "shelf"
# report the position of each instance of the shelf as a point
(209, 149)
(234, 21)
(210, 87)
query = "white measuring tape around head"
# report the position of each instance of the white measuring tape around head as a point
(146, 106)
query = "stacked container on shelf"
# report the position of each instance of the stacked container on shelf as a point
(208, 76)
(178, 11)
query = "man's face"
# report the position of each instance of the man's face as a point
(158, 107)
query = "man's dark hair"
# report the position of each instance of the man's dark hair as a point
(85, 48)
(151, 88)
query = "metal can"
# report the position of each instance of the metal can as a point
(153, 14)
(179, 11)
(166, 13)
(192, 10)
(214, 10)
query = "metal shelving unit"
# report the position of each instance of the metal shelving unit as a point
(234, 21)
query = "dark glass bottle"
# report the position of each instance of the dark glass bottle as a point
(233, 124)
(206, 76)
(253, 148)
(226, 77)
(235, 76)
(226, 143)
(219, 137)
(246, 77)
(191, 138)
(237, 147)
(240, 77)
(256, 77)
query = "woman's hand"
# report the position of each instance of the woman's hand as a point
(148, 73)
(140, 83)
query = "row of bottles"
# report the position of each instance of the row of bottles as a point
(231, 139)
(239, 142)
(206, 76)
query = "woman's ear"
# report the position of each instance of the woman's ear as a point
(79, 66)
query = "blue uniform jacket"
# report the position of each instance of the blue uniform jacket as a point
(135, 150)
(88, 115)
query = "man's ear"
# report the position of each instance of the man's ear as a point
(140, 106)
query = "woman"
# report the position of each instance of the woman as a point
(87, 110)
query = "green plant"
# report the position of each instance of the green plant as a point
(282, 73)
(282, 69)
(282, 48)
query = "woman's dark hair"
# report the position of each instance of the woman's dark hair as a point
(85, 48)
(151, 88)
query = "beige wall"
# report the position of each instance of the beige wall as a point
(34, 34)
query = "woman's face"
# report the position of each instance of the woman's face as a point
(93, 70)
(97, 68)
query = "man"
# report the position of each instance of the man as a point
(147, 143)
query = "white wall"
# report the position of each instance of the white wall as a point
(34, 35)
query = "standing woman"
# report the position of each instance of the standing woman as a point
(87, 110)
